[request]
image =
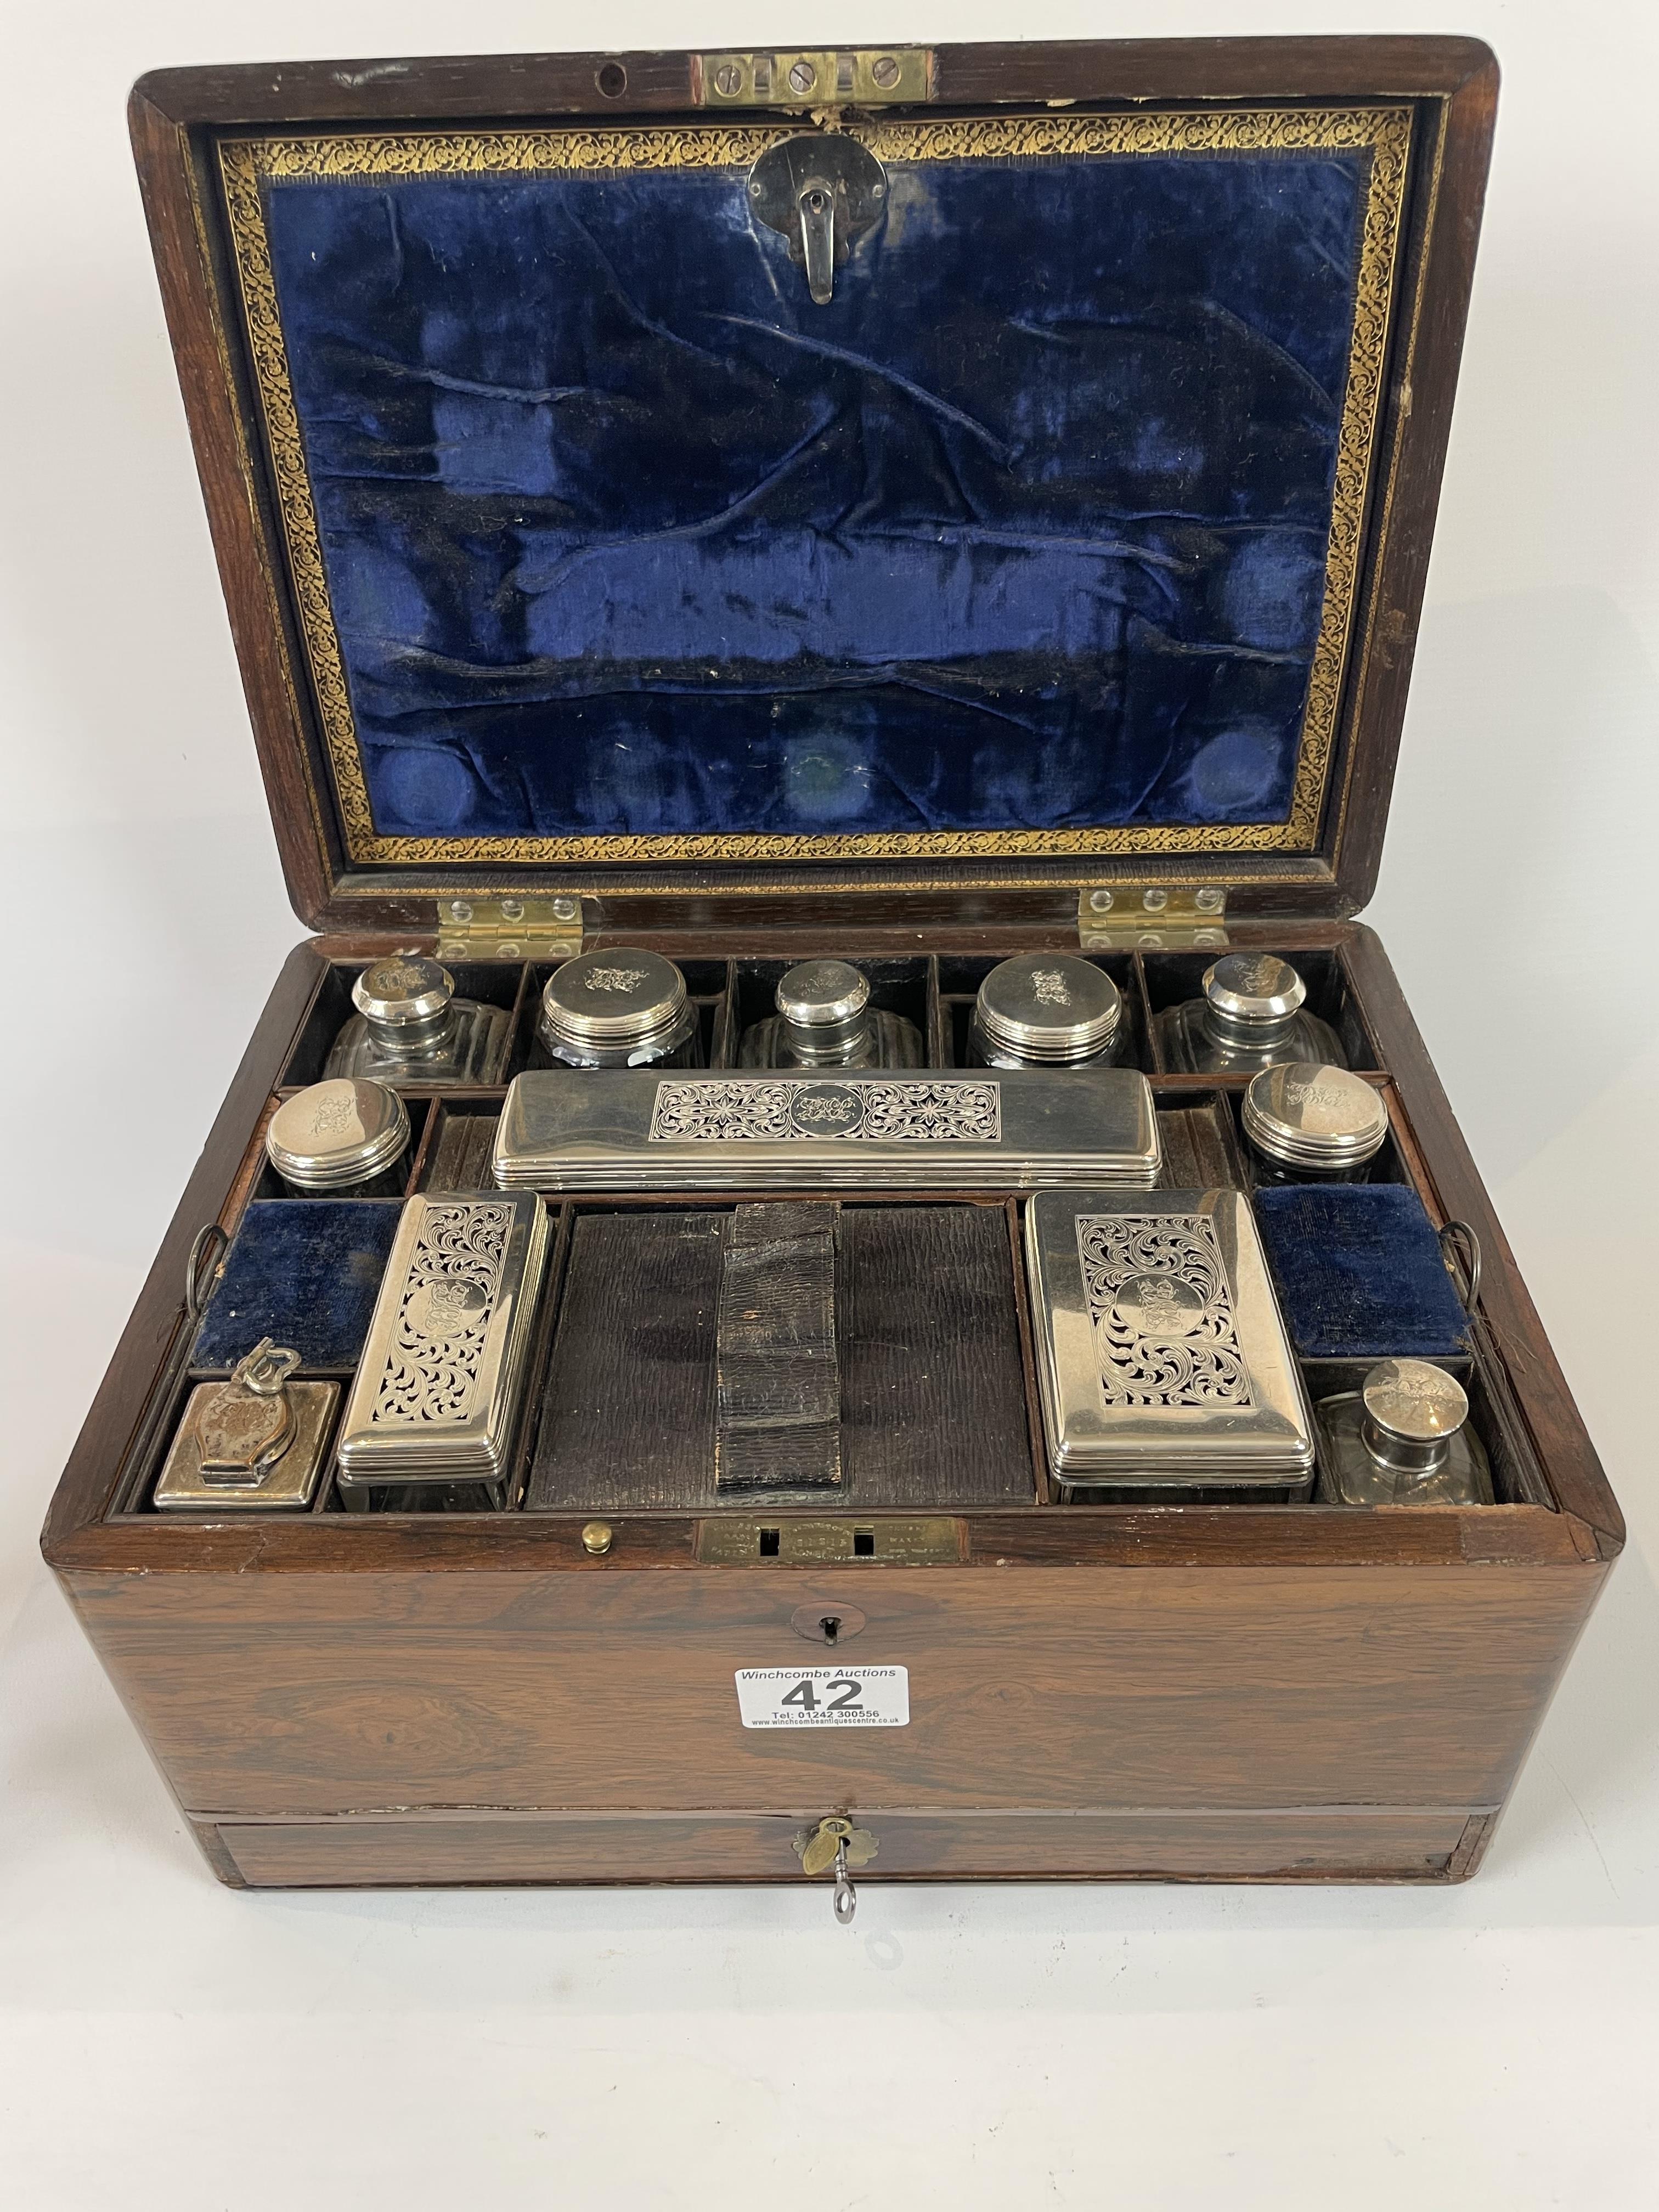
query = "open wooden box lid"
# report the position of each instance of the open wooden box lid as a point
(573, 548)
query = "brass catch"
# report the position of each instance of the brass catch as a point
(1153, 917)
(878, 77)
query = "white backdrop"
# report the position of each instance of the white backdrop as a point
(177, 2045)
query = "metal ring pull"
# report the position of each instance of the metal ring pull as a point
(845, 1902)
(1460, 1249)
(211, 1239)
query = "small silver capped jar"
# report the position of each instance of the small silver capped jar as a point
(1252, 1015)
(1046, 1010)
(347, 1136)
(619, 1008)
(825, 1019)
(410, 1027)
(1402, 1439)
(1311, 1123)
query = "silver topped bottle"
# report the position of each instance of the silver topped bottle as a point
(825, 1019)
(619, 1008)
(347, 1136)
(1311, 1123)
(410, 1027)
(1402, 1439)
(1044, 1010)
(1252, 1015)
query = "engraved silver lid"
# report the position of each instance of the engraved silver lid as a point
(336, 1132)
(1413, 1411)
(822, 994)
(1251, 998)
(1305, 1116)
(616, 1000)
(405, 999)
(1049, 1006)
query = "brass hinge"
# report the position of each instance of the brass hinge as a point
(1157, 917)
(509, 928)
(879, 77)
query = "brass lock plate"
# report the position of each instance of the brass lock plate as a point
(817, 1848)
(876, 76)
(743, 1542)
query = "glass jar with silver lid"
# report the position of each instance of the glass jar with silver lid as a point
(825, 1019)
(1402, 1439)
(1045, 1010)
(1253, 1014)
(346, 1136)
(619, 1008)
(1313, 1123)
(410, 1027)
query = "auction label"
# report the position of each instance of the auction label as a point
(823, 1696)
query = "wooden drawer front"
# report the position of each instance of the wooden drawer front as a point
(1364, 1843)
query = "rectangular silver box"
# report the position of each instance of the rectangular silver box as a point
(1162, 1362)
(952, 1129)
(437, 1391)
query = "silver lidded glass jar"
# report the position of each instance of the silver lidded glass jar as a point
(619, 1008)
(346, 1137)
(1047, 1010)
(410, 1027)
(1311, 1123)
(1252, 1015)
(825, 1019)
(1402, 1439)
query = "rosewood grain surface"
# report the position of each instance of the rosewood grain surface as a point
(1352, 1843)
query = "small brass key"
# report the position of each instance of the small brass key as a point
(836, 1842)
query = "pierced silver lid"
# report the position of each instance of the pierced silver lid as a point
(1303, 1114)
(1049, 1006)
(1412, 1410)
(405, 999)
(336, 1132)
(822, 994)
(618, 1001)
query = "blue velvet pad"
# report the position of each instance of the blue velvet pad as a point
(1358, 1271)
(1027, 528)
(305, 1271)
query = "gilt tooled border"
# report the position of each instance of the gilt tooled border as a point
(1385, 131)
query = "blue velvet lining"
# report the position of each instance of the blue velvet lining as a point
(1026, 529)
(305, 1271)
(1358, 1271)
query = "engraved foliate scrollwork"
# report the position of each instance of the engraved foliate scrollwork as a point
(1162, 1308)
(449, 1299)
(708, 1109)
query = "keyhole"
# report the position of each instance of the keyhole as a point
(816, 202)
(831, 1625)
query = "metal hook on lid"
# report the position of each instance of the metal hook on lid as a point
(1460, 1247)
(820, 190)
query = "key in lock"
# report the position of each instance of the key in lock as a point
(836, 1843)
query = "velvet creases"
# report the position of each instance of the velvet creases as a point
(1026, 529)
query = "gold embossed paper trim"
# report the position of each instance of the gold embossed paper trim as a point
(1384, 132)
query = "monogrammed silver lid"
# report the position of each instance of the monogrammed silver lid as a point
(336, 1132)
(1303, 1115)
(822, 994)
(403, 993)
(1254, 986)
(618, 999)
(1049, 1006)
(1412, 1410)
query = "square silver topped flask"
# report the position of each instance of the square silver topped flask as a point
(1163, 1363)
(410, 1027)
(1253, 1014)
(825, 1019)
(253, 1444)
(1402, 1439)
(437, 1392)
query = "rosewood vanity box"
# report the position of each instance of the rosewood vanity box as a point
(914, 507)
